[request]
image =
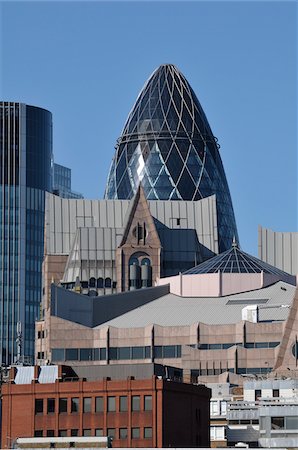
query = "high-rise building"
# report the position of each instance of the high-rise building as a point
(25, 175)
(168, 146)
(61, 182)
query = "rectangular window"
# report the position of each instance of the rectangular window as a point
(169, 351)
(98, 404)
(40, 355)
(158, 351)
(50, 433)
(123, 433)
(214, 409)
(147, 352)
(111, 432)
(74, 432)
(99, 432)
(148, 402)
(62, 433)
(292, 423)
(258, 394)
(111, 404)
(86, 354)
(223, 408)
(38, 406)
(135, 433)
(58, 354)
(71, 354)
(38, 433)
(275, 393)
(51, 405)
(277, 423)
(102, 353)
(147, 432)
(135, 403)
(75, 404)
(124, 353)
(123, 403)
(87, 404)
(113, 353)
(62, 405)
(87, 432)
(137, 353)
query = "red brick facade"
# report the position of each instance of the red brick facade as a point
(139, 413)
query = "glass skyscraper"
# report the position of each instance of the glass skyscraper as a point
(25, 175)
(61, 179)
(168, 146)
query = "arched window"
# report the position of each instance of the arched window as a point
(146, 262)
(92, 282)
(108, 282)
(133, 261)
(99, 283)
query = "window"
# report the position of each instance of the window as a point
(62, 405)
(292, 423)
(71, 354)
(62, 433)
(111, 404)
(148, 402)
(99, 404)
(58, 354)
(87, 432)
(38, 433)
(124, 353)
(123, 433)
(169, 351)
(92, 282)
(123, 403)
(214, 409)
(108, 283)
(135, 403)
(86, 354)
(277, 423)
(74, 405)
(87, 404)
(74, 432)
(38, 406)
(50, 433)
(223, 407)
(147, 432)
(99, 432)
(99, 283)
(135, 433)
(275, 393)
(111, 432)
(40, 355)
(258, 394)
(51, 405)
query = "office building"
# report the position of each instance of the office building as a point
(134, 412)
(167, 145)
(61, 182)
(25, 175)
(279, 249)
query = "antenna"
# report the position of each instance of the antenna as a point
(19, 342)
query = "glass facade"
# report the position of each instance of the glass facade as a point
(168, 146)
(25, 175)
(61, 182)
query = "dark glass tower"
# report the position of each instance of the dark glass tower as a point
(168, 146)
(25, 175)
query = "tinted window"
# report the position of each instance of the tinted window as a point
(62, 405)
(51, 405)
(135, 403)
(87, 404)
(135, 433)
(111, 404)
(123, 403)
(75, 404)
(38, 406)
(99, 404)
(148, 402)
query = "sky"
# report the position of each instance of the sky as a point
(87, 61)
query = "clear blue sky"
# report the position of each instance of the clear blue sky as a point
(87, 61)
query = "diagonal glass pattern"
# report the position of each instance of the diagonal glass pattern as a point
(168, 146)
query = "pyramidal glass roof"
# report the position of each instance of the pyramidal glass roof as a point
(234, 260)
(168, 146)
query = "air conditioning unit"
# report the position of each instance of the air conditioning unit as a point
(250, 313)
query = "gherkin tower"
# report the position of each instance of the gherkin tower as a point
(168, 146)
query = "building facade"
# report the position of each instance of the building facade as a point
(25, 175)
(167, 145)
(279, 249)
(61, 182)
(134, 413)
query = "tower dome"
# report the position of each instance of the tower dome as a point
(168, 146)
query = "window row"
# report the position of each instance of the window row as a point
(115, 433)
(113, 404)
(98, 283)
(115, 353)
(224, 346)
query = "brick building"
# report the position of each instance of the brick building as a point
(135, 413)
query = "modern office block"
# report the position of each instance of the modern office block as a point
(61, 182)
(167, 145)
(25, 175)
(279, 249)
